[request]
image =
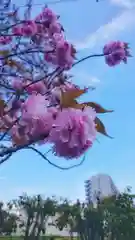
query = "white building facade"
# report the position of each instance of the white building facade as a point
(98, 187)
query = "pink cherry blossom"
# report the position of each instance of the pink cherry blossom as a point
(50, 58)
(58, 37)
(5, 40)
(17, 31)
(73, 132)
(48, 14)
(40, 28)
(7, 120)
(37, 116)
(38, 87)
(64, 54)
(29, 28)
(19, 134)
(55, 27)
(39, 109)
(39, 49)
(115, 52)
(17, 84)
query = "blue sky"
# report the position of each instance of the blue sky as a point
(88, 25)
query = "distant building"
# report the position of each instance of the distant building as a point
(98, 187)
(51, 229)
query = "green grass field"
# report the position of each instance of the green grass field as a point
(19, 238)
(42, 238)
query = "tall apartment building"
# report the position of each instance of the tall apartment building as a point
(99, 186)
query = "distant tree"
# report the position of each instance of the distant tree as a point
(119, 216)
(67, 217)
(8, 220)
(113, 218)
(34, 214)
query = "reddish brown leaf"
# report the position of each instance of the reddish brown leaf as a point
(18, 140)
(16, 64)
(13, 63)
(101, 128)
(68, 97)
(98, 108)
(77, 105)
(2, 106)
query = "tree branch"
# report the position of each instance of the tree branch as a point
(53, 164)
(5, 158)
(79, 61)
(23, 53)
(86, 58)
(11, 150)
(14, 149)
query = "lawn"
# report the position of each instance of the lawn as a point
(42, 238)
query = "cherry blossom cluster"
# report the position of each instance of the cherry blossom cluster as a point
(35, 110)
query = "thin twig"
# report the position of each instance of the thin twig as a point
(4, 134)
(10, 151)
(79, 61)
(23, 53)
(53, 164)
(14, 149)
(86, 58)
(5, 158)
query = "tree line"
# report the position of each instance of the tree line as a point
(113, 218)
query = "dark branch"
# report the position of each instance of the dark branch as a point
(5, 158)
(53, 164)
(86, 58)
(14, 149)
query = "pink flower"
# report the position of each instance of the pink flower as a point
(58, 37)
(5, 40)
(19, 134)
(56, 91)
(17, 31)
(55, 27)
(17, 84)
(38, 87)
(73, 132)
(48, 15)
(116, 52)
(8, 120)
(63, 57)
(29, 28)
(34, 107)
(40, 28)
(64, 54)
(68, 86)
(50, 58)
(37, 116)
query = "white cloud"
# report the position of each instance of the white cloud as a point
(126, 20)
(124, 3)
(85, 79)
